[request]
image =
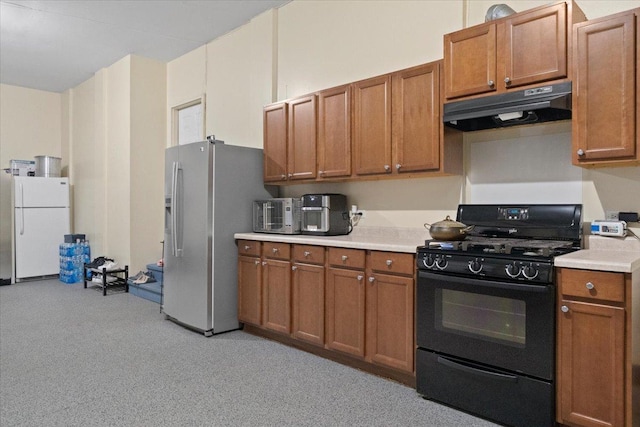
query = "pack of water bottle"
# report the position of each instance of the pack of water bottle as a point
(73, 256)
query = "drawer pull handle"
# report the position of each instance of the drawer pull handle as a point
(389, 262)
(372, 279)
(360, 277)
(564, 309)
(275, 250)
(344, 258)
(294, 268)
(256, 262)
(264, 262)
(306, 254)
(247, 247)
(590, 285)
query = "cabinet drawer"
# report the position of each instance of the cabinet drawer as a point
(276, 250)
(248, 247)
(392, 262)
(308, 254)
(599, 285)
(350, 258)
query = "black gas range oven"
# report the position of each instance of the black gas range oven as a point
(485, 312)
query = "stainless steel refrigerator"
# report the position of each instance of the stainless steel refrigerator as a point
(209, 190)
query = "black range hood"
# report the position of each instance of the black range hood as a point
(537, 105)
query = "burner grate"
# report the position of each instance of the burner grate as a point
(545, 248)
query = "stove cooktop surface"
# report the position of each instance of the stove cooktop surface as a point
(503, 246)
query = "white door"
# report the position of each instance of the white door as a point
(38, 234)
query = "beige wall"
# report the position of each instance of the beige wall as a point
(146, 168)
(239, 82)
(186, 82)
(30, 125)
(117, 142)
(327, 43)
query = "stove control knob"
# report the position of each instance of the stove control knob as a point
(475, 266)
(441, 263)
(428, 261)
(530, 272)
(512, 270)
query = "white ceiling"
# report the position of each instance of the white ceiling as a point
(56, 45)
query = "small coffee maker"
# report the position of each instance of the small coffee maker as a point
(325, 214)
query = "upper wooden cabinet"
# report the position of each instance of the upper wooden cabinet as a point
(302, 138)
(334, 132)
(605, 97)
(385, 126)
(290, 138)
(416, 121)
(372, 125)
(516, 51)
(397, 122)
(275, 142)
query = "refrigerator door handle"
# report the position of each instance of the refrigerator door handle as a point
(174, 222)
(21, 209)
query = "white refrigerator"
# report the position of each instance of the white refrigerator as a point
(40, 219)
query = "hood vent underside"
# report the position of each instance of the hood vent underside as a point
(538, 105)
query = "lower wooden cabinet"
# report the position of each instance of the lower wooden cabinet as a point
(249, 290)
(390, 321)
(345, 310)
(276, 290)
(591, 349)
(249, 282)
(352, 302)
(308, 293)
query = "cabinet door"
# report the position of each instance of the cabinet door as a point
(372, 125)
(390, 321)
(277, 295)
(591, 364)
(334, 132)
(249, 290)
(604, 93)
(345, 311)
(416, 118)
(308, 303)
(470, 61)
(275, 142)
(535, 46)
(302, 138)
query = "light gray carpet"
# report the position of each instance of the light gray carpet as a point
(71, 357)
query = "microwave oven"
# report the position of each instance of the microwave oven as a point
(280, 216)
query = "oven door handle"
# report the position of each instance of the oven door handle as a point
(486, 283)
(480, 372)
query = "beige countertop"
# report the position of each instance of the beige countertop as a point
(605, 254)
(390, 239)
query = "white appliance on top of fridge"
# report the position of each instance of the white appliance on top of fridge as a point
(40, 219)
(209, 192)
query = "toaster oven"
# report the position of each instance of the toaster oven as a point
(281, 216)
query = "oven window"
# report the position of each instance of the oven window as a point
(490, 318)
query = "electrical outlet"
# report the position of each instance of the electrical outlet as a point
(611, 215)
(362, 213)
